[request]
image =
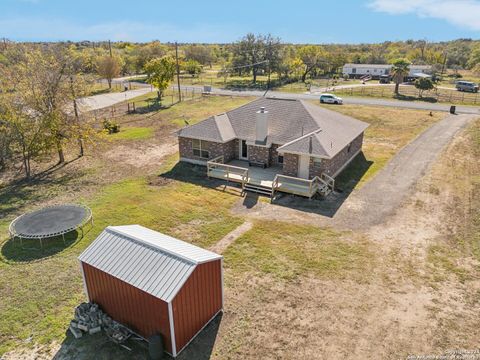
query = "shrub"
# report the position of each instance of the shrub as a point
(111, 127)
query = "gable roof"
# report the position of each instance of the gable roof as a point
(288, 120)
(148, 260)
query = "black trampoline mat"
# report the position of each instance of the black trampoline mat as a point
(50, 221)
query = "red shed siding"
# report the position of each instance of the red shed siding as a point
(197, 302)
(138, 310)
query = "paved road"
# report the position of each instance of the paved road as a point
(385, 193)
(105, 100)
(421, 105)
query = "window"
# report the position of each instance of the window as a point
(199, 149)
(280, 159)
(317, 161)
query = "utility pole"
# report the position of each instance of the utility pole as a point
(110, 47)
(444, 62)
(178, 73)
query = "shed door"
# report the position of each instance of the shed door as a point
(303, 165)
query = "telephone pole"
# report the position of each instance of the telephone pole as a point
(110, 47)
(178, 73)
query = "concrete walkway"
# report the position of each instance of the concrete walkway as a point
(385, 193)
(105, 100)
(233, 235)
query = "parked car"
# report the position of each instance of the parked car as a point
(466, 86)
(330, 99)
(384, 79)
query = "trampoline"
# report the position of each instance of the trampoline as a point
(50, 222)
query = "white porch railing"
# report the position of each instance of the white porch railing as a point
(303, 187)
(217, 169)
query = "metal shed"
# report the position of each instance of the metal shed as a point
(153, 283)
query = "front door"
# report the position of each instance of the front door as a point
(243, 151)
(303, 166)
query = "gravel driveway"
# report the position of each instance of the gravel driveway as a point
(385, 193)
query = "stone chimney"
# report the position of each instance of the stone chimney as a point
(261, 128)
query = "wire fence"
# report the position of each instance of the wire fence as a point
(411, 93)
(145, 105)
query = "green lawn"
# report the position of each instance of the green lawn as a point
(39, 295)
(286, 251)
(132, 133)
(390, 129)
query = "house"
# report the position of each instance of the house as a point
(272, 139)
(377, 70)
(153, 283)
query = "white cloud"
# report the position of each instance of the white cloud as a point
(462, 13)
(29, 28)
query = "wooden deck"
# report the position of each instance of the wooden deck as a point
(267, 181)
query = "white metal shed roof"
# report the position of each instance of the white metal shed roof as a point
(153, 262)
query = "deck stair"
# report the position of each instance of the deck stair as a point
(260, 189)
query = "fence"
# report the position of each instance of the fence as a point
(143, 106)
(439, 95)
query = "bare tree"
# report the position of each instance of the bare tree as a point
(108, 67)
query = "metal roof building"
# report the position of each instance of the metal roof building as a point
(153, 283)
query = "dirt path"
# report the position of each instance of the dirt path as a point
(228, 239)
(387, 191)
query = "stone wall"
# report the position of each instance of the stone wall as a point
(215, 149)
(330, 167)
(290, 164)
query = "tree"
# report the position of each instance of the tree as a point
(400, 69)
(41, 87)
(312, 57)
(423, 84)
(108, 67)
(192, 67)
(160, 73)
(256, 53)
(199, 53)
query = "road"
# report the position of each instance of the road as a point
(105, 100)
(420, 105)
(101, 101)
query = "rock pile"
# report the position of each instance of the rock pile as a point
(89, 319)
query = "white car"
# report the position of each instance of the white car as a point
(330, 99)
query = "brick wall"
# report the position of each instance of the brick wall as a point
(290, 164)
(215, 149)
(331, 166)
(259, 154)
(274, 155)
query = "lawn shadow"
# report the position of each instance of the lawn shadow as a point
(99, 347)
(22, 192)
(415, 98)
(28, 250)
(197, 175)
(344, 185)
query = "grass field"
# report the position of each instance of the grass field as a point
(132, 133)
(390, 130)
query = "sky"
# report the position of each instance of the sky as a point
(214, 21)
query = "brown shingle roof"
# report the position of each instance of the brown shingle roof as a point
(289, 122)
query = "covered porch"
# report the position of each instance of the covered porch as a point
(267, 181)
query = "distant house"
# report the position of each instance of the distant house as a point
(356, 71)
(272, 139)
